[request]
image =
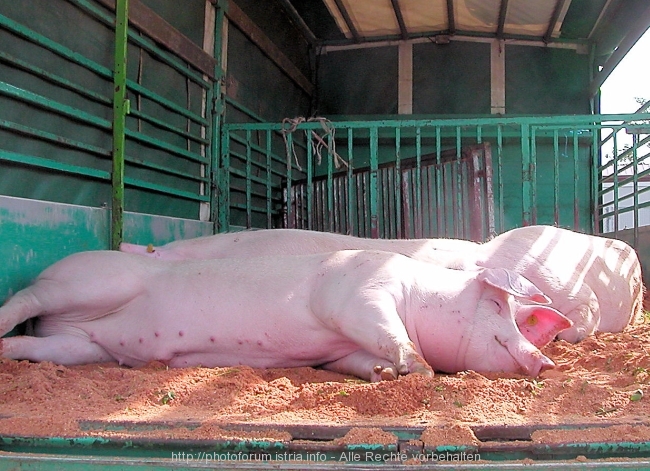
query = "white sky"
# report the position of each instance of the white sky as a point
(630, 79)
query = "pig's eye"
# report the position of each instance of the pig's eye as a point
(499, 305)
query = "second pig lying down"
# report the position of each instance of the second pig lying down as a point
(372, 314)
(594, 281)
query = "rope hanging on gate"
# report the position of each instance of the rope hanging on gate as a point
(318, 142)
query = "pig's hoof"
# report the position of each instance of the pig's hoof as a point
(422, 369)
(380, 373)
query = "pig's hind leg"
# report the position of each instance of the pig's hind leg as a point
(63, 349)
(364, 365)
(20, 307)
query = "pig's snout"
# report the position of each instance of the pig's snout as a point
(530, 360)
(543, 364)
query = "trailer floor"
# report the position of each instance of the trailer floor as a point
(594, 399)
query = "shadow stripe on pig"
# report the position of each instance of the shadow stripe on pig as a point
(367, 313)
(594, 281)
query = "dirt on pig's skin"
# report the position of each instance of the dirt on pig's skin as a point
(604, 379)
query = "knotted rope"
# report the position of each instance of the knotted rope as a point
(318, 142)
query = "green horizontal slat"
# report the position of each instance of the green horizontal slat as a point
(54, 79)
(53, 138)
(162, 145)
(50, 105)
(451, 122)
(53, 165)
(242, 174)
(133, 182)
(260, 165)
(626, 209)
(101, 71)
(52, 46)
(144, 43)
(93, 173)
(255, 209)
(168, 127)
(170, 105)
(262, 151)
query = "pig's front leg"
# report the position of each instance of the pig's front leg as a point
(371, 321)
(63, 349)
(364, 365)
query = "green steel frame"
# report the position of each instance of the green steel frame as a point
(197, 134)
(568, 146)
(120, 110)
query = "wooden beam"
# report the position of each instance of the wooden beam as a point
(634, 34)
(450, 17)
(147, 21)
(559, 6)
(300, 23)
(405, 78)
(348, 20)
(400, 19)
(503, 11)
(261, 40)
(498, 77)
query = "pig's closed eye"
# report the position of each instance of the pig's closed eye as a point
(499, 305)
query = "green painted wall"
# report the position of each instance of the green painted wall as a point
(88, 119)
(451, 79)
(359, 82)
(34, 234)
(546, 81)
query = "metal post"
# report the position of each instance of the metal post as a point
(526, 176)
(219, 168)
(120, 110)
(374, 167)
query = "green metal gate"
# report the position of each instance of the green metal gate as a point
(544, 171)
(100, 120)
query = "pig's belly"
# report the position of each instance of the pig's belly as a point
(178, 344)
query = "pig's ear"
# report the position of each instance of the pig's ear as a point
(513, 283)
(540, 324)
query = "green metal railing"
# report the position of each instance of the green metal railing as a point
(624, 178)
(544, 171)
(162, 143)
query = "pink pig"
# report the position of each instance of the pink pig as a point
(367, 313)
(594, 281)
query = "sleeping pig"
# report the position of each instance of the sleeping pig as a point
(594, 281)
(372, 314)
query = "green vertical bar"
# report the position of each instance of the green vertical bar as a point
(351, 194)
(249, 213)
(615, 183)
(635, 188)
(525, 169)
(330, 184)
(289, 175)
(533, 175)
(374, 167)
(556, 177)
(120, 110)
(398, 182)
(269, 207)
(576, 176)
(440, 209)
(310, 183)
(459, 226)
(218, 110)
(418, 183)
(595, 184)
(502, 223)
(223, 187)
